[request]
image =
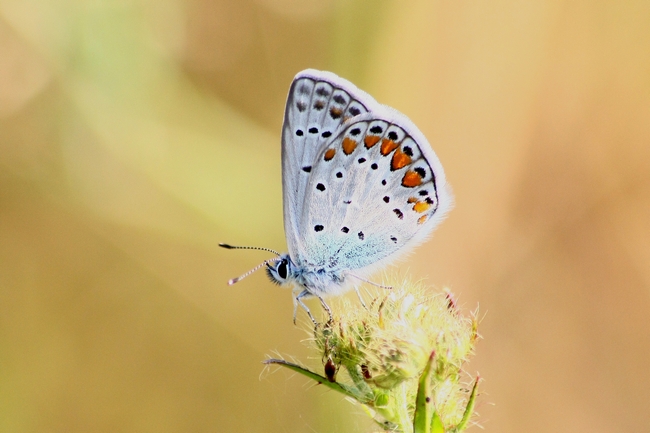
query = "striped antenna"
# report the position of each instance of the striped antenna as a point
(264, 263)
(233, 247)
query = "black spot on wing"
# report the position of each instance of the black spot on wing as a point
(336, 113)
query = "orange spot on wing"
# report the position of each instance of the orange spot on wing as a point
(387, 146)
(422, 219)
(400, 160)
(411, 179)
(371, 140)
(349, 145)
(411, 200)
(329, 154)
(421, 206)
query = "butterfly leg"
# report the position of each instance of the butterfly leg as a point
(327, 308)
(298, 301)
(356, 289)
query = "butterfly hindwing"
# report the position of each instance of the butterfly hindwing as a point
(372, 194)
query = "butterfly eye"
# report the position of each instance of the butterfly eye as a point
(282, 269)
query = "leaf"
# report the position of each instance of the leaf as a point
(436, 424)
(336, 386)
(423, 402)
(469, 408)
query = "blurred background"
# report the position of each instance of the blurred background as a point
(137, 135)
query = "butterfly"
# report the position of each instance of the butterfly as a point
(361, 187)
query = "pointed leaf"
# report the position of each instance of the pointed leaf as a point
(436, 424)
(336, 386)
(469, 408)
(423, 401)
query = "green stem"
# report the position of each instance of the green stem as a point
(402, 403)
(360, 382)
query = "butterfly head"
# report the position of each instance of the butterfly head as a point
(281, 270)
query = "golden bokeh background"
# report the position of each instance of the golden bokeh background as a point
(137, 135)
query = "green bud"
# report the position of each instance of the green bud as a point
(387, 350)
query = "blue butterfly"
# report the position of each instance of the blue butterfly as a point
(361, 187)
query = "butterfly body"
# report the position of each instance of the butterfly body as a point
(361, 186)
(319, 279)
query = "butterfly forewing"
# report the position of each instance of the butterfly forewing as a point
(317, 105)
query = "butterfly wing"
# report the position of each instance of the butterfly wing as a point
(375, 191)
(361, 183)
(317, 105)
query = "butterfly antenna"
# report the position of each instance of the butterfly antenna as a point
(370, 282)
(241, 277)
(233, 247)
